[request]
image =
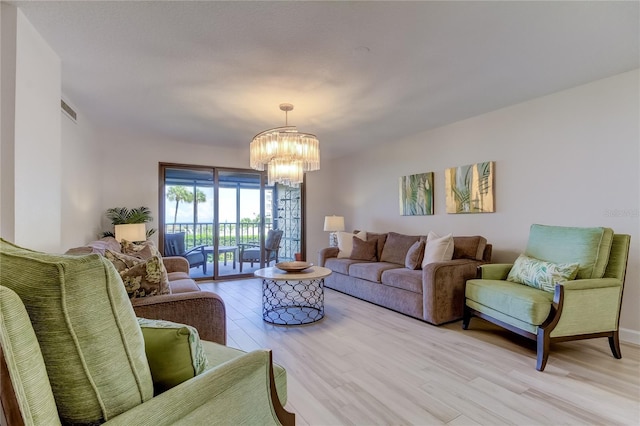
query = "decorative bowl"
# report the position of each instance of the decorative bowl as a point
(293, 266)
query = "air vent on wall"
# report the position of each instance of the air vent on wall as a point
(70, 112)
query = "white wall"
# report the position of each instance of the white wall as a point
(570, 158)
(36, 148)
(131, 171)
(81, 196)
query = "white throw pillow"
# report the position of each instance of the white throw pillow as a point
(345, 242)
(438, 249)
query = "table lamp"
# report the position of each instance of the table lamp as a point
(131, 232)
(333, 224)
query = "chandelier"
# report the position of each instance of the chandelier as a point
(285, 152)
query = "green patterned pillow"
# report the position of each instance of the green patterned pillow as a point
(540, 274)
(174, 352)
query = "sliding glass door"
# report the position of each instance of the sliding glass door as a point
(219, 220)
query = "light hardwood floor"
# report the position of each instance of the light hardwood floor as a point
(365, 365)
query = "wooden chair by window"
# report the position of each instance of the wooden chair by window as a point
(250, 252)
(174, 246)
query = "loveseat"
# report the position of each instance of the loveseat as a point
(396, 276)
(185, 303)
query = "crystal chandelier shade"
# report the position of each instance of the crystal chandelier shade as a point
(285, 153)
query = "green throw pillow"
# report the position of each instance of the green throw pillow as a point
(174, 352)
(88, 334)
(540, 274)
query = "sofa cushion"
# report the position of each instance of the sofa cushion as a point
(590, 247)
(380, 240)
(340, 265)
(540, 274)
(469, 247)
(396, 247)
(345, 242)
(437, 249)
(183, 286)
(371, 271)
(522, 302)
(403, 278)
(364, 250)
(90, 340)
(174, 352)
(413, 260)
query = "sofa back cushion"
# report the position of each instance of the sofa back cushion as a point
(471, 247)
(88, 334)
(396, 247)
(590, 247)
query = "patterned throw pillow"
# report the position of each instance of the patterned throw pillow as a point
(143, 250)
(174, 352)
(540, 274)
(141, 278)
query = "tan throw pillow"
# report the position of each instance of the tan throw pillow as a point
(345, 243)
(364, 250)
(414, 256)
(438, 249)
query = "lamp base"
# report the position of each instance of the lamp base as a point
(333, 239)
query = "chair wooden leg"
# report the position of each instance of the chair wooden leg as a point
(466, 317)
(614, 344)
(543, 343)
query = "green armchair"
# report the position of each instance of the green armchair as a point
(584, 304)
(73, 352)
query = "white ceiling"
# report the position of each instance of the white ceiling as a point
(358, 73)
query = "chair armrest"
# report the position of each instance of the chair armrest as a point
(591, 283)
(494, 271)
(443, 285)
(199, 248)
(327, 253)
(240, 391)
(176, 264)
(203, 310)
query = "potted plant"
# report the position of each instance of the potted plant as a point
(123, 215)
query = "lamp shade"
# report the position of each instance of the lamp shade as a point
(131, 232)
(333, 223)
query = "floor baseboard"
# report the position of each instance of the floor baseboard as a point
(630, 336)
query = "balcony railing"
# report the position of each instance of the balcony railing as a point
(230, 233)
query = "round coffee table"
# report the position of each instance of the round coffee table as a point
(292, 298)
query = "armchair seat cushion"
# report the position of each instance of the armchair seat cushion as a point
(527, 304)
(184, 285)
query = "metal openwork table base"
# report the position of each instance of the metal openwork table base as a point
(292, 298)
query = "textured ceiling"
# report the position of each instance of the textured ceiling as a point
(358, 73)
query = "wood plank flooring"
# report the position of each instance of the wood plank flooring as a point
(366, 365)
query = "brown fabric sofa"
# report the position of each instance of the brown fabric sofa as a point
(186, 304)
(434, 294)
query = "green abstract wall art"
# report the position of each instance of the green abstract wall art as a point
(416, 194)
(470, 188)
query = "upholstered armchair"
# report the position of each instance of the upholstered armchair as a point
(174, 246)
(250, 252)
(567, 285)
(73, 352)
